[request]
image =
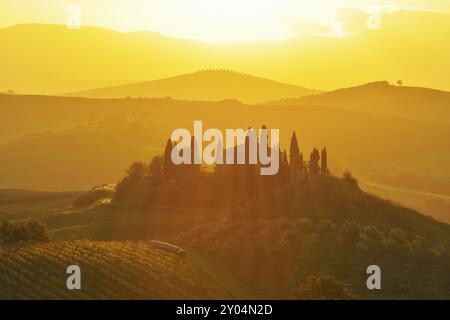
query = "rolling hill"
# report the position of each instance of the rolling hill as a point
(331, 227)
(23, 204)
(79, 107)
(383, 98)
(212, 85)
(110, 270)
(63, 60)
(70, 139)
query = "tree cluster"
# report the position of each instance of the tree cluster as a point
(23, 231)
(239, 188)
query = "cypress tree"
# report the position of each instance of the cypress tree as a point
(295, 160)
(314, 162)
(324, 162)
(168, 166)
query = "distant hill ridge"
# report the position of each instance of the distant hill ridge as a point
(205, 85)
(63, 60)
(383, 98)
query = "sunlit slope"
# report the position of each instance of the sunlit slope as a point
(73, 138)
(320, 198)
(383, 98)
(432, 203)
(261, 257)
(411, 46)
(110, 270)
(209, 85)
(313, 239)
(417, 179)
(54, 59)
(23, 204)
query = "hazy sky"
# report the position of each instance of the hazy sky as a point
(207, 20)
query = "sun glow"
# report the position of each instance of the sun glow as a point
(204, 20)
(235, 20)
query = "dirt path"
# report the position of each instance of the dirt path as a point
(402, 190)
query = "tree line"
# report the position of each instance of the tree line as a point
(23, 231)
(219, 186)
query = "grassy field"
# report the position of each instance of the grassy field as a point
(23, 204)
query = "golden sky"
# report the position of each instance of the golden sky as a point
(204, 20)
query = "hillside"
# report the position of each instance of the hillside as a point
(119, 131)
(129, 151)
(383, 98)
(54, 131)
(213, 85)
(109, 270)
(64, 60)
(329, 227)
(23, 204)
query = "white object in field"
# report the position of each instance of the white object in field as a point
(168, 247)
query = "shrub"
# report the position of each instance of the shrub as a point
(373, 238)
(27, 230)
(350, 234)
(348, 177)
(326, 231)
(322, 288)
(372, 234)
(134, 187)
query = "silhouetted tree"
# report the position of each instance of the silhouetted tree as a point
(284, 164)
(27, 230)
(314, 162)
(250, 176)
(348, 177)
(372, 238)
(133, 184)
(296, 161)
(324, 162)
(155, 170)
(137, 170)
(168, 165)
(350, 234)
